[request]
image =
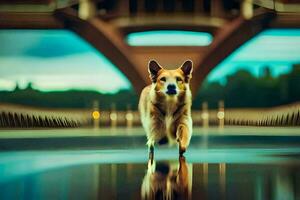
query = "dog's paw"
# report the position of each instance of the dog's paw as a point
(151, 149)
(151, 158)
(182, 150)
(182, 159)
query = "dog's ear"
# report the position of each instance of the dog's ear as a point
(187, 68)
(153, 69)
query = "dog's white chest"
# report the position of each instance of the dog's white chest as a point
(169, 118)
(169, 122)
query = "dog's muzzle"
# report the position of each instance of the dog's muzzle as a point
(171, 89)
(171, 92)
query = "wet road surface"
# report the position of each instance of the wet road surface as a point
(102, 166)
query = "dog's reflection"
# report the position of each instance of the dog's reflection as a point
(167, 180)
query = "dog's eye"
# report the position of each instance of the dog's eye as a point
(178, 79)
(163, 79)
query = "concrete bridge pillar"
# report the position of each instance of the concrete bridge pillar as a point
(87, 9)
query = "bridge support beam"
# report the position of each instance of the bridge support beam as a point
(230, 37)
(106, 39)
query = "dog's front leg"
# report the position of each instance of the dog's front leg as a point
(150, 144)
(183, 173)
(155, 128)
(151, 152)
(183, 138)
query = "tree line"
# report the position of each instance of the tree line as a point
(242, 89)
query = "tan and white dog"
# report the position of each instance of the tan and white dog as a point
(168, 180)
(165, 106)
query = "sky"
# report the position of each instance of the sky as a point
(276, 48)
(169, 38)
(61, 60)
(55, 60)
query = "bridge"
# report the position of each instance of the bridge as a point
(105, 25)
(256, 154)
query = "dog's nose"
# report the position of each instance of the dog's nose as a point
(171, 87)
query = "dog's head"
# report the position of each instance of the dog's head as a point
(170, 82)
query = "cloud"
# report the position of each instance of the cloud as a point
(84, 71)
(7, 84)
(42, 43)
(55, 60)
(277, 49)
(61, 59)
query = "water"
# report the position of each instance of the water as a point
(228, 173)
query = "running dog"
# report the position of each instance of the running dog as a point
(167, 180)
(165, 106)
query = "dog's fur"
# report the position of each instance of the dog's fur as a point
(167, 180)
(166, 110)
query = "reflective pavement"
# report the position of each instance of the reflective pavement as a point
(214, 173)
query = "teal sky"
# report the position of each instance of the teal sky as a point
(61, 60)
(276, 48)
(169, 38)
(55, 60)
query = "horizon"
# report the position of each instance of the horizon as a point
(223, 83)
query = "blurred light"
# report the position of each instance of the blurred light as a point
(129, 116)
(96, 114)
(205, 174)
(221, 115)
(247, 9)
(87, 9)
(169, 38)
(204, 115)
(113, 116)
(222, 180)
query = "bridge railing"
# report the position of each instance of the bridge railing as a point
(15, 116)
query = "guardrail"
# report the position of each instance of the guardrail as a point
(16, 116)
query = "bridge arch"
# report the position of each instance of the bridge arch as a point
(227, 40)
(99, 34)
(105, 39)
(132, 60)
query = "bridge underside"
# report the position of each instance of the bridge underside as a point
(108, 37)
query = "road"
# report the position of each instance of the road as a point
(234, 163)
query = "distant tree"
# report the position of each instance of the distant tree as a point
(17, 88)
(29, 86)
(293, 82)
(242, 89)
(211, 93)
(266, 72)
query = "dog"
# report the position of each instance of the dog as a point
(167, 180)
(165, 106)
